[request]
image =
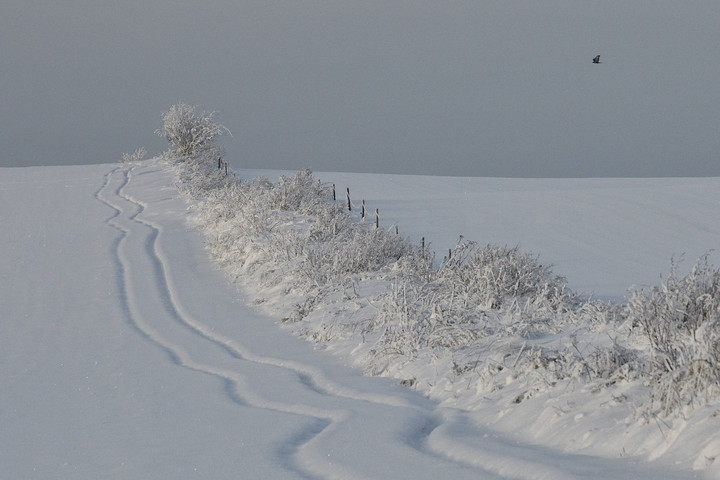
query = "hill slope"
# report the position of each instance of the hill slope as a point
(124, 353)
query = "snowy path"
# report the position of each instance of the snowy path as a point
(125, 354)
(337, 438)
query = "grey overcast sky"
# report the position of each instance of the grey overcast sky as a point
(446, 87)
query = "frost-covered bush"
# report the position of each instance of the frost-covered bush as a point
(355, 251)
(489, 276)
(422, 316)
(681, 321)
(480, 292)
(190, 131)
(613, 363)
(300, 193)
(293, 222)
(137, 156)
(198, 178)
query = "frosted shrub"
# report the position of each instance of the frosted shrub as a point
(293, 222)
(300, 193)
(198, 178)
(137, 156)
(330, 223)
(613, 364)
(190, 131)
(461, 302)
(420, 317)
(359, 251)
(490, 275)
(680, 320)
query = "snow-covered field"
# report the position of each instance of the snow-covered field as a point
(125, 353)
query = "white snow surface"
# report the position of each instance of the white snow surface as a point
(125, 353)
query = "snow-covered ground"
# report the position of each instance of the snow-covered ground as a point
(125, 353)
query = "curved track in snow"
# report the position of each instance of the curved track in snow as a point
(348, 432)
(338, 415)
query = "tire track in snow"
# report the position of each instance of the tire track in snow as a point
(140, 317)
(146, 298)
(304, 452)
(311, 377)
(327, 421)
(422, 435)
(120, 263)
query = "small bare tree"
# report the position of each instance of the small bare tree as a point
(189, 131)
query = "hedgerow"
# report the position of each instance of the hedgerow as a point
(491, 314)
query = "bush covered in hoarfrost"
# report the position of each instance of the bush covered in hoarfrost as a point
(461, 300)
(492, 314)
(137, 156)
(490, 276)
(681, 321)
(190, 131)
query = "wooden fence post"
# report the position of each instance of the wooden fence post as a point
(348, 199)
(377, 218)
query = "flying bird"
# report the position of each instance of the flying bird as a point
(596, 59)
